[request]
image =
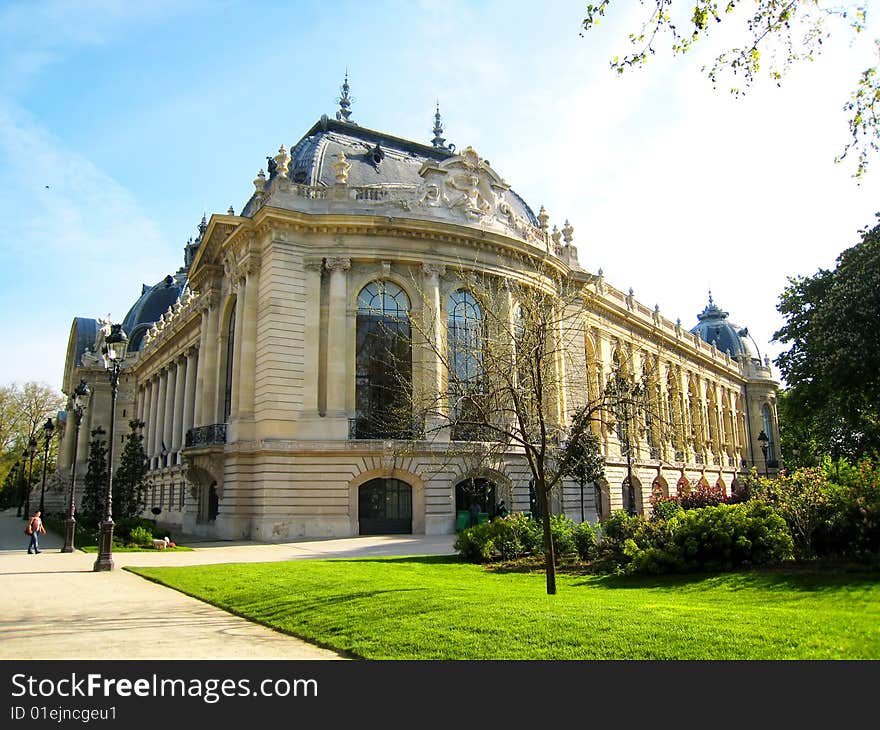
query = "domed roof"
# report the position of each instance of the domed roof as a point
(379, 160)
(153, 302)
(714, 327)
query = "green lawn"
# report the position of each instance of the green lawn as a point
(440, 608)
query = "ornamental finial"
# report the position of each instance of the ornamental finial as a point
(344, 102)
(543, 219)
(438, 141)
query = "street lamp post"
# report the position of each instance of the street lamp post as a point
(48, 430)
(764, 441)
(80, 401)
(29, 453)
(115, 345)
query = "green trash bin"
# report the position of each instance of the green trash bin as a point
(462, 520)
(483, 518)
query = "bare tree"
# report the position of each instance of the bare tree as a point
(513, 376)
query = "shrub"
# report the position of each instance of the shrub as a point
(665, 507)
(474, 544)
(724, 537)
(125, 526)
(585, 541)
(702, 496)
(562, 531)
(141, 536)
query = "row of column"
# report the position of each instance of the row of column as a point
(167, 405)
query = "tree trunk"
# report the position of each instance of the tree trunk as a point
(549, 550)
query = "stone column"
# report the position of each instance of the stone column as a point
(179, 403)
(434, 382)
(159, 422)
(171, 377)
(152, 412)
(236, 354)
(206, 380)
(312, 333)
(141, 396)
(189, 392)
(337, 351)
(246, 340)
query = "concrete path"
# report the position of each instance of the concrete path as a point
(54, 606)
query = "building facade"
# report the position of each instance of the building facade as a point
(251, 367)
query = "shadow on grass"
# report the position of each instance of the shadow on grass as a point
(806, 578)
(417, 559)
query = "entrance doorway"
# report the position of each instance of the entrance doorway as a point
(385, 507)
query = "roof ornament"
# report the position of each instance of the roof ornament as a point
(555, 236)
(711, 303)
(203, 226)
(438, 141)
(260, 183)
(341, 168)
(231, 210)
(344, 102)
(282, 162)
(543, 218)
(567, 233)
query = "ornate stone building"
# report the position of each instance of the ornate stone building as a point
(248, 365)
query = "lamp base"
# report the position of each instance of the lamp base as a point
(105, 546)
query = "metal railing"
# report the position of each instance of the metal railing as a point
(213, 435)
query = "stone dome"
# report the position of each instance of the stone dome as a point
(391, 167)
(153, 302)
(714, 327)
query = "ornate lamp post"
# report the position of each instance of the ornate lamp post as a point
(48, 430)
(80, 401)
(764, 441)
(115, 345)
(28, 455)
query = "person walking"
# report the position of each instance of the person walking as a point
(34, 529)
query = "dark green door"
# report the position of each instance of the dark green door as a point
(385, 507)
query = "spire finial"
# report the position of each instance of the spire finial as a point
(203, 226)
(438, 141)
(344, 101)
(711, 303)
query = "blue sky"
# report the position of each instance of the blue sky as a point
(139, 119)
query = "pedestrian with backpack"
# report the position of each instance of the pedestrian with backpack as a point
(34, 529)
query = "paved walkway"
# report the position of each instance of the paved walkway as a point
(54, 606)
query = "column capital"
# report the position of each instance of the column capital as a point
(313, 264)
(433, 270)
(340, 263)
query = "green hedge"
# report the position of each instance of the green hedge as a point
(719, 538)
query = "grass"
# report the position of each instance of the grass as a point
(437, 607)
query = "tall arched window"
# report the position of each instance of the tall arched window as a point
(465, 340)
(383, 366)
(230, 349)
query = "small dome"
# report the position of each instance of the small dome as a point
(716, 329)
(153, 302)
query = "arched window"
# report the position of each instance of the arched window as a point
(767, 424)
(230, 349)
(465, 341)
(383, 366)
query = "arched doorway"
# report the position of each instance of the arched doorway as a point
(385, 507)
(476, 489)
(631, 492)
